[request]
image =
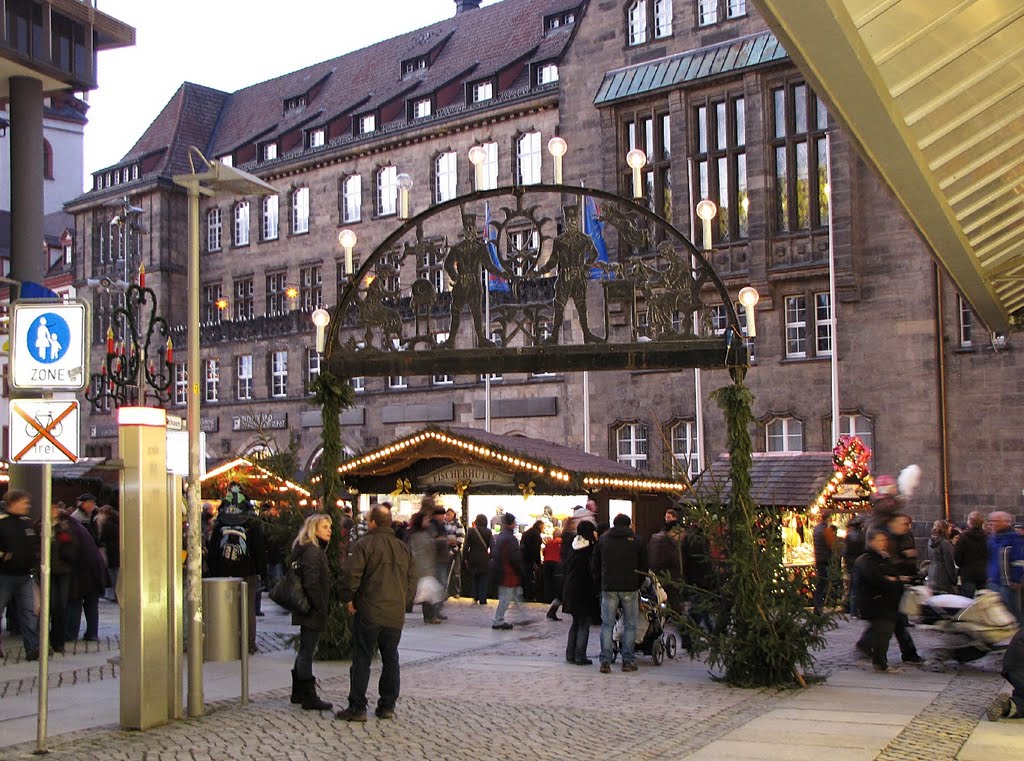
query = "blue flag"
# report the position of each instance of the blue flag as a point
(30, 290)
(594, 227)
(494, 283)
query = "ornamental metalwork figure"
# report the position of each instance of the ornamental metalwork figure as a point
(574, 254)
(464, 264)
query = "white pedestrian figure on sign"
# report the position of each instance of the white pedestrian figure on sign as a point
(54, 346)
(44, 340)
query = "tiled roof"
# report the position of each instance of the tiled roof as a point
(784, 479)
(693, 65)
(504, 38)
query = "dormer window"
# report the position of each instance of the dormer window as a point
(99, 182)
(558, 20)
(367, 124)
(227, 159)
(413, 65)
(135, 171)
(117, 176)
(421, 108)
(270, 151)
(291, 104)
(547, 73)
(482, 91)
(317, 137)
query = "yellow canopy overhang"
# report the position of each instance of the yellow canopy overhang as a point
(933, 92)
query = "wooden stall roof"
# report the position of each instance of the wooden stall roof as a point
(243, 469)
(555, 465)
(784, 479)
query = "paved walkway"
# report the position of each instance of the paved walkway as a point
(469, 692)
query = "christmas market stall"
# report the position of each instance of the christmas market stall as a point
(476, 472)
(262, 487)
(804, 487)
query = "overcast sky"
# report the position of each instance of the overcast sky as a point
(226, 44)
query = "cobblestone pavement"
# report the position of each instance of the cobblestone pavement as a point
(514, 697)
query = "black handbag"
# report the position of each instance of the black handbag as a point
(288, 592)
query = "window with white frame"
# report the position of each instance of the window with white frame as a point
(397, 382)
(358, 384)
(243, 291)
(784, 434)
(796, 327)
(271, 211)
(662, 19)
(180, 383)
(210, 306)
(490, 166)
(711, 12)
(441, 380)
(241, 223)
(312, 368)
(446, 176)
(719, 319)
(243, 376)
(317, 137)
(430, 266)
(860, 426)
(823, 323)
(279, 374)
(528, 159)
(631, 445)
(270, 151)
(421, 109)
(367, 124)
(214, 230)
(685, 447)
(482, 91)
(547, 74)
(300, 210)
(636, 20)
(735, 8)
(351, 198)
(965, 321)
(277, 294)
(387, 191)
(311, 287)
(212, 375)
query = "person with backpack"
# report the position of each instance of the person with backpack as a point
(237, 550)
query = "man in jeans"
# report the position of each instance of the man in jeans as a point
(507, 570)
(19, 559)
(619, 562)
(378, 581)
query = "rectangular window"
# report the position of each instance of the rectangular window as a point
(212, 374)
(800, 159)
(785, 434)
(227, 159)
(421, 109)
(490, 167)
(311, 288)
(277, 303)
(528, 159)
(397, 382)
(859, 426)
(651, 132)
(482, 91)
(271, 210)
(243, 374)
(720, 165)
(214, 228)
(180, 384)
(637, 22)
(317, 138)
(662, 19)
(796, 327)
(735, 8)
(430, 266)
(684, 448)
(351, 198)
(631, 445)
(707, 12)
(241, 223)
(279, 374)
(244, 307)
(823, 324)
(387, 191)
(212, 295)
(367, 124)
(547, 74)
(719, 319)
(359, 384)
(300, 211)
(312, 368)
(446, 177)
(966, 321)
(270, 151)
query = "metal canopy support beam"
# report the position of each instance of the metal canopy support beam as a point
(827, 46)
(655, 355)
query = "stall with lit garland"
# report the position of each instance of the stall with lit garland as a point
(262, 487)
(804, 487)
(524, 475)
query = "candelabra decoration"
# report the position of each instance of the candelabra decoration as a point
(139, 361)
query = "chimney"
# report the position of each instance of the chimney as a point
(466, 5)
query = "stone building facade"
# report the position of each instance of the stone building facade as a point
(720, 111)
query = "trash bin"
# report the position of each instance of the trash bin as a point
(222, 619)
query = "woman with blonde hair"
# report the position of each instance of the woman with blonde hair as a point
(308, 550)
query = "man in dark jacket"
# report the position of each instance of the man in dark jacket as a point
(237, 549)
(19, 559)
(824, 543)
(902, 551)
(378, 582)
(665, 554)
(879, 598)
(507, 571)
(619, 564)
(971, 555)
(531, 545)
(853, 548)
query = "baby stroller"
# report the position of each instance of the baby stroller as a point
(977, 626)
(651, 637)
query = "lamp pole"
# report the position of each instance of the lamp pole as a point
(214, 177)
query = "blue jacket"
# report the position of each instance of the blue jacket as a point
(1005, 558)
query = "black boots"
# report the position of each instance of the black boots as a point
(296, 688)
(310, 700)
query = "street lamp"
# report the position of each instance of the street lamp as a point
(347, 239)
(405, 184)
(213, 177)
(478, 157)
(636, 160)
(321, 318)
(706, 210)
(557, 147)
(748, 299)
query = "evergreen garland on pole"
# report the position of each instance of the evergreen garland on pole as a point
(334, 395)
(764, 630)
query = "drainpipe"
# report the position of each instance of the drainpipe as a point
(940, 371)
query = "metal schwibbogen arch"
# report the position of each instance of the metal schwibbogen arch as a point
(648, 307)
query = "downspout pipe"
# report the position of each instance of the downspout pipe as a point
(940, 380)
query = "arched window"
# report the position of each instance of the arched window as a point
(47, 160)
(784, 434)
(631, 445)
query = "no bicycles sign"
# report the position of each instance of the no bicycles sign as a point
(44, 430)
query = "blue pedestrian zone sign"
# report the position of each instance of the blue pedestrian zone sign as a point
(47, 345)
(49, 338)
